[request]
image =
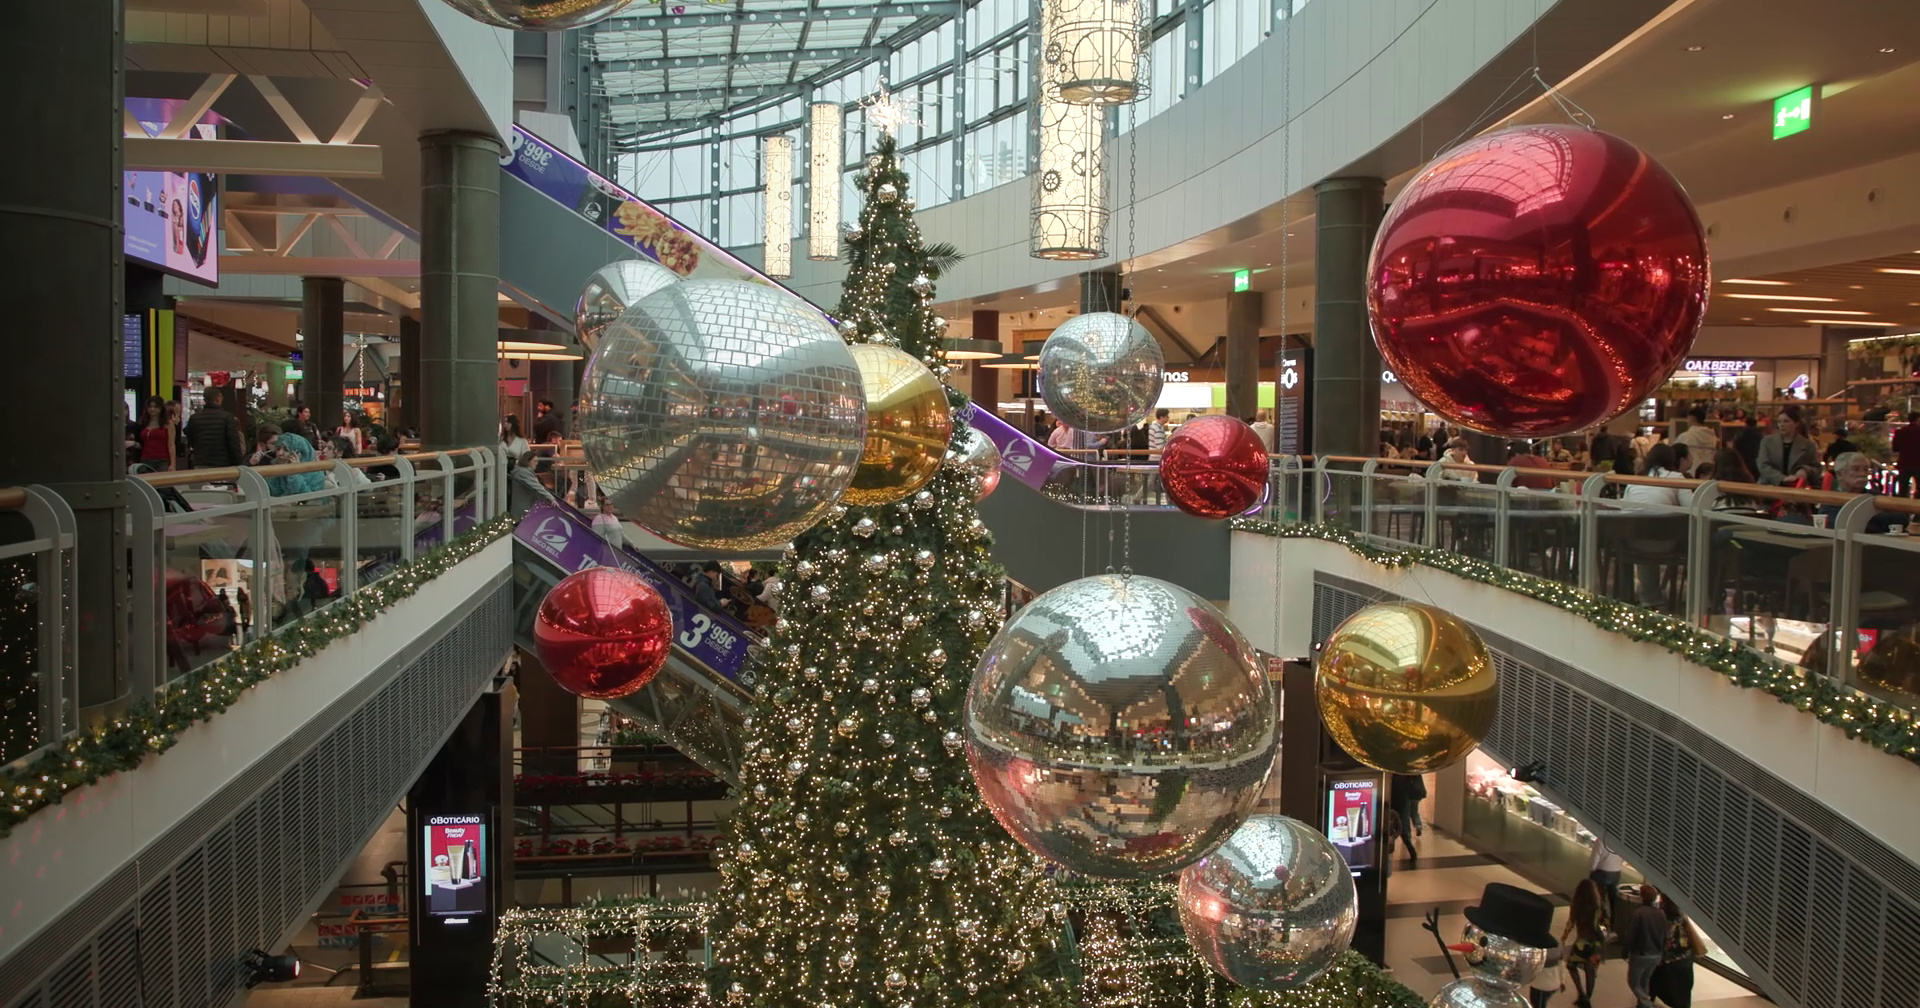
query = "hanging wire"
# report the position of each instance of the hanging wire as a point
(1514, 97)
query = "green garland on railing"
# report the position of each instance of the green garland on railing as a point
(1876, 722)
(154, 726)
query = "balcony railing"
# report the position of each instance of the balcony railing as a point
(1771, 568)
(220, 558)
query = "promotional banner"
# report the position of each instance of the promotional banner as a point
(1353, 820)
(565, 537)
(456, 857)
(623, 215)
(1021, 457)
(172, 219)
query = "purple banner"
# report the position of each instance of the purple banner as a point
(1021, 457)
(565, 538)
(623, 215)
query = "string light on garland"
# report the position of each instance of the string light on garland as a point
(154, 726)
(1878, 723)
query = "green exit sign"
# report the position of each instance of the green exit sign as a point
(1793, 113)
(1241, 278)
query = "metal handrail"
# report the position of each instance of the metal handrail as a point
(1607, 546)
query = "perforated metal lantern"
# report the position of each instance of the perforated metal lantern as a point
(613, 289)
(1096, 51)
(1119, 726)
(539, 15)
(723, 414)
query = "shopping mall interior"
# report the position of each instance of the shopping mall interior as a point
(828, 502)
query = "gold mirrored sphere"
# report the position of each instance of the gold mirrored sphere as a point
(908, 424)
(1406, 688)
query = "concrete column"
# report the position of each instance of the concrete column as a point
(459, 283)
(407, 407)
(1100, 291)
(1833, 360)
(985, 387)
(61, 225)
(323, 328)
(1244, 309)
(1346, 365)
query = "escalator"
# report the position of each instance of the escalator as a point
(699, 701)
(1055, 519)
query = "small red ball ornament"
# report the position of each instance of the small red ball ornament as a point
(1537, 280)
(1214, 467)
(603, 633)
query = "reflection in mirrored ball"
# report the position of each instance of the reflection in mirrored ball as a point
(1406, 687)
(1119, 726)
(722, 414)
(1478, 992)
(539, 15)
(1272, 907)
(1537, 280)
(602, 632)
(613, 289)
(1214, 467)
(1502, 959)
(976, 455)
(1101, 372)
(908, 424)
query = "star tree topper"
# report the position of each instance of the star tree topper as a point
(887, 112)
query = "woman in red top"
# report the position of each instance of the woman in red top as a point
(156, 436)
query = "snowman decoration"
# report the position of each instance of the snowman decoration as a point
(1507, 939)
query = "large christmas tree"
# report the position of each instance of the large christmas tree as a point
(862, 867)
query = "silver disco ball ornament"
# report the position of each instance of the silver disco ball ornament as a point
(1101, 372)
(1502, 959)
(1478, 992)
(1119, 727)
(613, 289)
(539, 15)
(722, 414)
(1272, 907)
(975, 454)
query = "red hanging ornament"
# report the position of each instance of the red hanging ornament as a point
(1214, 467)
(603, 633)
(1537, 281)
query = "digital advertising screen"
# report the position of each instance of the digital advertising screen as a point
(456, 858)
(1353, 820)
(172, 218)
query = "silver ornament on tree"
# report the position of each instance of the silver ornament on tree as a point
(718, 415)
(1120, 726)
(611, 290)
(1272, 907)
(921, 283)
(538, 15)
(1101, 372)
(887, 192)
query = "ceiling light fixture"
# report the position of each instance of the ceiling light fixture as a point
(1903, 272)
(1779, 297)
(1757, 283)
(1850, 322)
(1886, 49)
(1695, 48)
(1727, 115)
(1820, 311)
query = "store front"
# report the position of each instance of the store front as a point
(1480, 802)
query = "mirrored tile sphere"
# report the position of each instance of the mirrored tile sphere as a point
(1272, 907)
(1101, 372)
(613, 289)
(539, 15)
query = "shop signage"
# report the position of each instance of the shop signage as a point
(1241, 278)
(1706, 366)
(1291, 401)
(1174, 376)
(711, 638)
(1793, 113)
(1389, 378)
(295, 374)
(361, 392)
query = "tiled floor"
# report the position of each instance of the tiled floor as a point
(1450, 876)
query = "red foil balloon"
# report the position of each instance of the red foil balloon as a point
(1537, 280)
(603, 633)
(1214, 467)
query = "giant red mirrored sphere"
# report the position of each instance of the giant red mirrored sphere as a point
(1537, 280)
(603, 633)
(1214, 467)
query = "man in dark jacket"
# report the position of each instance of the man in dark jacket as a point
(1644, 939)
(213, 435)
(545, 422)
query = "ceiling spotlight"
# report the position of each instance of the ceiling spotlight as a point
(1850, 322)
(1695, 48)
(1756, 283)
(1903, 272)
(1886, 49)
(1821, 311)
(1778, 297)
(1727, 115)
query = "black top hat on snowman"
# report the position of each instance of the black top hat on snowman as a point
(1514, 913)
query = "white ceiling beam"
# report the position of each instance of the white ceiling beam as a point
(299, 231)
(284, 109)
(353, 244)
(319, 266)
(255, 157)
(236, 228)
(370, 101)
(203, 98)
(387, 290)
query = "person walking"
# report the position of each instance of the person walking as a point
(1550, 980)
(213, 435)
(524, 489)
(1587, 927)
(1404, 795)
(156, 437)
(1644, 940)
(1673, 978)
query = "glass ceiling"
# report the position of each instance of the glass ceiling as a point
(663, 66)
